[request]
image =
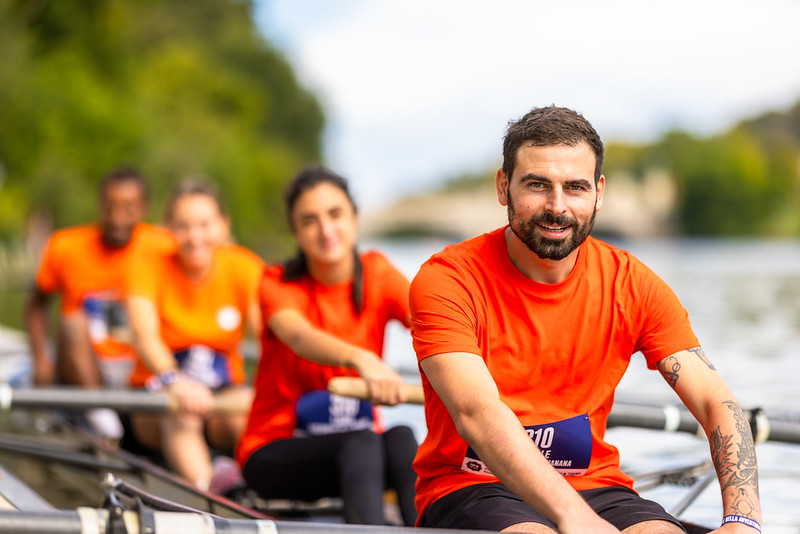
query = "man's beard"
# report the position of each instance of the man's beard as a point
(545, 248)
(117, 236)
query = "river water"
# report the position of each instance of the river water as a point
(743, 298)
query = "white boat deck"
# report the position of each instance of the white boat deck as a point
(14, 360)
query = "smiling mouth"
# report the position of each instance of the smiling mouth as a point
(329, 245)
(553, 229)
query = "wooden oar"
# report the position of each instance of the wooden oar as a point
(358, 388)
(666, 417)
(79, 399)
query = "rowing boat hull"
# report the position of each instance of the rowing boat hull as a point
(72, 484)
(79, 480)
(67, 465)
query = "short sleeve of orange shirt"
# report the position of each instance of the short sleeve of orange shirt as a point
(555, 351)
(79, 266)
(282, 375)
(75, 260)
(210, 312)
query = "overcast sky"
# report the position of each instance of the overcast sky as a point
(416, 91)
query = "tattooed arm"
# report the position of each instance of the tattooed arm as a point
(693, 377)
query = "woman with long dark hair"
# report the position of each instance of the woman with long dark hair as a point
(325, 313)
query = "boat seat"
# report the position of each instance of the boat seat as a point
(328, 509)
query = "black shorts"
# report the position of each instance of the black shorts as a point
(492, 506)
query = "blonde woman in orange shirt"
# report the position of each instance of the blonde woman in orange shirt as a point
(188, 312)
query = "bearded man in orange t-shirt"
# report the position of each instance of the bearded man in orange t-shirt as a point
(523, 334)
(86, 266)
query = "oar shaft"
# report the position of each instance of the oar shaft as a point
(79, 399)
(673, 419)
(785, 431)
(87, 399)
(666, 417)
(86, 520)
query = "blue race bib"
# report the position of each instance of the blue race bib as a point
(566, 444)
(319, 413)
(106, 316)
(204, 365)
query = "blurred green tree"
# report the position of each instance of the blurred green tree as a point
(745, 181)
(734, 183)
(175, 88)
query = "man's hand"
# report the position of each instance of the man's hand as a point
(44, 371)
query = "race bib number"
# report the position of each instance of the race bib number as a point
(106, 316)
(319, 413)
(566, 444)
(204, 365)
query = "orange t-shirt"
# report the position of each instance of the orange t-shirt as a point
(555, 351)
(282, 376)
(210, 312)
(90, 274)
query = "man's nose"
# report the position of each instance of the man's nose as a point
(117, 215)
(556, 202)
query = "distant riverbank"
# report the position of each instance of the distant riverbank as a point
(631, 209)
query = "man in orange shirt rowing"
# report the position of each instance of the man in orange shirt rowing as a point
(86, 265)
(523, 335)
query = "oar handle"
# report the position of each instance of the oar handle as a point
(232, 405)
(348, 386)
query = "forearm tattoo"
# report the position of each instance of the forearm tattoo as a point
(669, 367)
(698, 351)
(736, 463)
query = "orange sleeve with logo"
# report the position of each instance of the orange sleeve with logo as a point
(210, 312)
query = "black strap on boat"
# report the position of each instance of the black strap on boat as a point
(116, 522)
(147, 521)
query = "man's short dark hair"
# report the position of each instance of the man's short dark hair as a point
(550, 126)
(124, 174)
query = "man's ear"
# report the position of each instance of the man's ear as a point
(601, 190)
(501, 184)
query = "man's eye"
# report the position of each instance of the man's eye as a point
(577, 188)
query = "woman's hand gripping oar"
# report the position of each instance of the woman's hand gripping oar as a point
(357, 387)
